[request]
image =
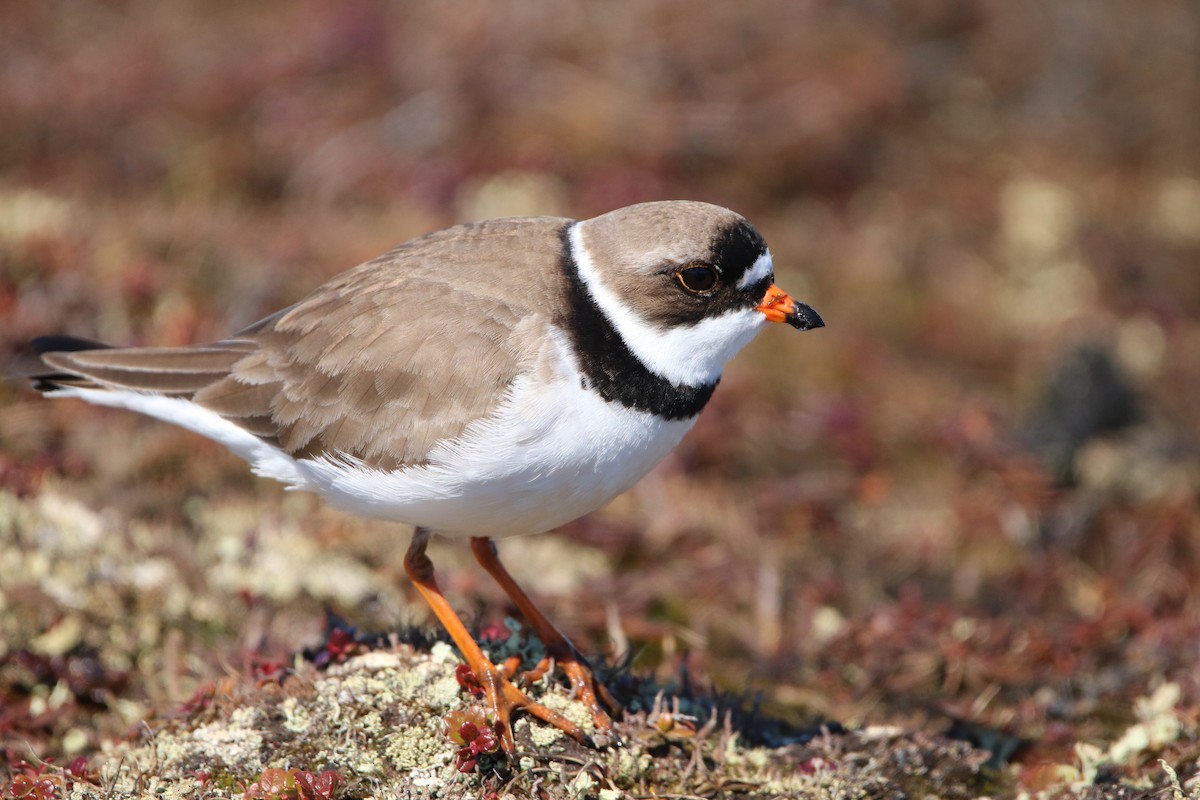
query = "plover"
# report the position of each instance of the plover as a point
(488, 380)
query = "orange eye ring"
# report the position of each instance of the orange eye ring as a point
(698, 278)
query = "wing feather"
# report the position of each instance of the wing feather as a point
(380, 364)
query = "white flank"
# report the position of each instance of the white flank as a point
(686, 355)
(763, 267)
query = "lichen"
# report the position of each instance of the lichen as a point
(422, 747)
(545, 735)
(377, 721)
(296, 717)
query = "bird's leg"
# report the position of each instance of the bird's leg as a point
(588, 689)
(504, 698)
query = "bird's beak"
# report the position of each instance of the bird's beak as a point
(779, 306)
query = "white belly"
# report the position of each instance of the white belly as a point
(553, 453)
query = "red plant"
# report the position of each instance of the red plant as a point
(469, 729)
(293, 784)
(467, 680)
(35, 783)
(338, 647)
(24, 786)
(495, 632)
(266, 671)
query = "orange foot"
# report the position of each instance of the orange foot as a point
(504, 699)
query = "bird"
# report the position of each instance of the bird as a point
(493, 379)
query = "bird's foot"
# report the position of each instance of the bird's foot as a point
(505, 700)
(587, 689)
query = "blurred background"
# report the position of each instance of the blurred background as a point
(972, 496)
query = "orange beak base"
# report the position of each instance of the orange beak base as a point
(779, 306)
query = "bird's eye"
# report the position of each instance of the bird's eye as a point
(698, 278)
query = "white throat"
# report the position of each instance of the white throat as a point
(686, 355)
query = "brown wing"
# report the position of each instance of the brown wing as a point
(177, 371)
(381, 363)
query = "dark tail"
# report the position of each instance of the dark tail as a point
(52, 381)
(179, 371)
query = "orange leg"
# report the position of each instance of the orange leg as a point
(588, 690)
(504, 698)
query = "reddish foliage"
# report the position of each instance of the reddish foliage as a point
(207, 694)
(469, 729)
(338, 647)
(468, 681)
(33, 788)
(875, 457)
(494, 632)
(43, 782)
(293, 784)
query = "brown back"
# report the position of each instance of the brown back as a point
(374, 364)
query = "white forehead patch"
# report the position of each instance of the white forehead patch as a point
(686, 355)
(761, 268)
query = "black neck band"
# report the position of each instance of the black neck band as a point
(609, 366)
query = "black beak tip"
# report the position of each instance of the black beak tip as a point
(805, 318)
